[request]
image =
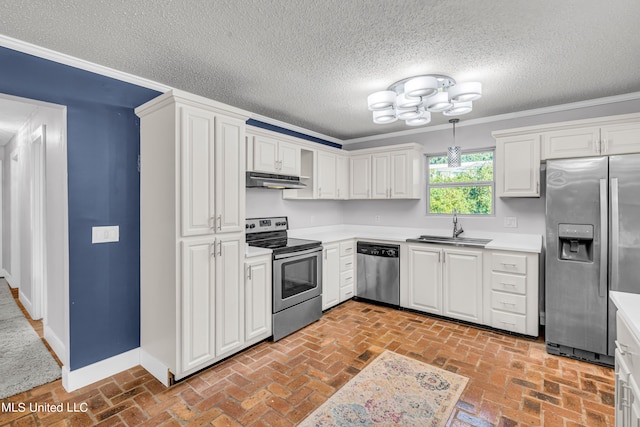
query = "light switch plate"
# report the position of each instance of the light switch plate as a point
(510, 222)
(105, 234)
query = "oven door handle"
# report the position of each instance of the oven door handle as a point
(298, 253)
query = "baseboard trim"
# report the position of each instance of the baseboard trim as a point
(56, 344)
(78, 378)
(10, 280)
(155, 367)
(26, 303)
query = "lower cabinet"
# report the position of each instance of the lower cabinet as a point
(487, 287)
(258, 298)
(444, 281)
(330, 275)
(338, 273)
(208, 311)
(627, 392)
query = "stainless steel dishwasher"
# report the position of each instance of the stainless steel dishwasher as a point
(378, 273)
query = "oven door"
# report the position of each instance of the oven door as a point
(297, 277)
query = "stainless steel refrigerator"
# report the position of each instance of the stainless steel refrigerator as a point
(593, 246)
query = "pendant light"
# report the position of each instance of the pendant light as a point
(454, 152)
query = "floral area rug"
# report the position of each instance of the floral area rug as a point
(393, 390)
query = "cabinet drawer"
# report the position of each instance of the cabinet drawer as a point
(509, 263)
(508, 283)
(347, 248)
(628, 345)
(508, 321)
(346, 292)
(508, 302)
(346, 278)
(346, 263)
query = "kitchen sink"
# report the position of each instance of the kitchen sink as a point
(455, 241)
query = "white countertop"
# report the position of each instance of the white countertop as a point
(629, 305)
(499, 241)
(252, 251)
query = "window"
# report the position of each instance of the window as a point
(468, 188)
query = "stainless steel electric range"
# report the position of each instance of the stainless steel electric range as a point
(297, 274)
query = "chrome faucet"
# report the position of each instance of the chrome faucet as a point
(456, 231)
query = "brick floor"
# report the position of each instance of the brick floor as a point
(513, 381)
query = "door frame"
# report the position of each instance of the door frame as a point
(38, 224)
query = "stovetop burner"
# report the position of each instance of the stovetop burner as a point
(271, 233)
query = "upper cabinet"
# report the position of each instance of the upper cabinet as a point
(517, 166)
(386, 172)
(519, 151)
(274, 156)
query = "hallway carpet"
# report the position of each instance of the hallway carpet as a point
(25, 362)
(512, 380)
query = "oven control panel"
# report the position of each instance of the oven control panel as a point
(260, 225)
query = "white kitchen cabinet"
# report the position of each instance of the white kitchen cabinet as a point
(192, 179)
(517, 166)
(258, 298)
(462, 285)
(511, 290)
(386, 173)
(330, 275)
(627, 369)
(423, 290)
(342, 177)
(327, 169)
(618, 138)
(444, 281)
(360, 177)
(347, 270)
(273, 156)
(622, 138)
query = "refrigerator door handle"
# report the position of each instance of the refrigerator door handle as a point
(604, 229)
(615, 233)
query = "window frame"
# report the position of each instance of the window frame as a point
(491, 183)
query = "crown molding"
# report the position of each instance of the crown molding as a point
(519, 114)
(294, 128)
(41, 52)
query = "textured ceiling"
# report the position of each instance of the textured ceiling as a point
(313, 63)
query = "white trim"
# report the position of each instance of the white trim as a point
(73, 380)
(65, 59)
(38, 225)
(155, 367)
(518, 114)
(55, 342)
(26, 303)
(9, 279)
(294, 128)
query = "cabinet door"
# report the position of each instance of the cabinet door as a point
(620, 139)
(230, 176)
(326, 173)
(401, 176)
(360, 177)
(571, 143)
(258, 299)
(517, 166)
(197, 303)
(330, 275)
(462, 285)
(197, 171)
(342, 177)
(289, 159)
(380, 176)
(265, 154)
(425, 279)
(229, 294)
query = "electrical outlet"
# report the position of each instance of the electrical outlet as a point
(105, 234)
(377, 219)
(510, 222)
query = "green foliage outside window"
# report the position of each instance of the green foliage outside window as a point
(468, 188)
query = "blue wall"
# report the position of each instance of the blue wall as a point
(103, 143)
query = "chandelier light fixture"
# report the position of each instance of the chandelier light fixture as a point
(414, 99)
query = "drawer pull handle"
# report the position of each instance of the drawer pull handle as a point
(624, 349)
(508, 303)
(508, 264)
(349, 278)
(508, 323)
(348, 263)
(508, 284)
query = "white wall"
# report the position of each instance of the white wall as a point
(55, 318)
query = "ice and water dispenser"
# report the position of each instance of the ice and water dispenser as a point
(576, 242)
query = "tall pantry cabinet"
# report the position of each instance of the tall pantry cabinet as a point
(192, 212)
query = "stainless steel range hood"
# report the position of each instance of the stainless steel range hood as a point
(268, 180)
